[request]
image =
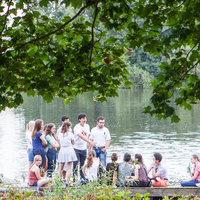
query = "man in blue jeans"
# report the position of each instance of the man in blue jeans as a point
(101, 137)
(81, 133)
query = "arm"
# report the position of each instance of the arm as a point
(59, 144)
(154, 173)
(73, 142)
(137, 167)
(90, 146)
(83, 169)
(53, 144)
(194, 176)
(133, 178)
(107, 145)
(44, 142)
(86, 139)
(37, 173)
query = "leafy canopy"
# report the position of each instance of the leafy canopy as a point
(64, 48)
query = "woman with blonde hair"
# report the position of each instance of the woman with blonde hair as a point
(29, 130)
(91, 168)
(38, 140)
(35, 178)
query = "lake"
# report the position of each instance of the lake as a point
(131, 130)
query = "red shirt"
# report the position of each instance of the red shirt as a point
(32, 178)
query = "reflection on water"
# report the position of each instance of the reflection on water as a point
(131, 130)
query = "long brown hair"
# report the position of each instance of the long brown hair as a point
(139, 158)
(65, 127)
(195, 157)
(90, 158)
(49, 127)
(37, 127)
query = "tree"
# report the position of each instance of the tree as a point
(43, 56)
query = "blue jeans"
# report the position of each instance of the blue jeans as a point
(101, 155)
(81, 157)
(189, 183)
(30, 155)
(51, 155)
(41, 153)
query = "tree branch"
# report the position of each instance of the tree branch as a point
(6, 17)
(58, 29)
(127, 6)
(192, 49)
(93, 24)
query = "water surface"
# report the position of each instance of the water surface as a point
(131, 130)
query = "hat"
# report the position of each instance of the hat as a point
(64, 117)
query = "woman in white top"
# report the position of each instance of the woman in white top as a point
(66, 153)
(29, 130)
(91, 168)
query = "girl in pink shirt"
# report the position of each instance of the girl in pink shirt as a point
(195, 176)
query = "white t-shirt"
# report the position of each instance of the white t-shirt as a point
(91, 172)
(85, 131)
(29, 139)
(100, 136)
(65, 139)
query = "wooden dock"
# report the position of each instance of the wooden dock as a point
(165, 191)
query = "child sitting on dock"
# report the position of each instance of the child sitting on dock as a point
(195, 175)
(159, 173)
(35, 178)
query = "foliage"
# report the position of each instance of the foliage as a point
(53, 53)
(90, 192)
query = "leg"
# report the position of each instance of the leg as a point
(51, 155)
(96, 151)
(30, 157)
(61, 166)
(44, 182)
(64, 171)
(189, 183)
(102, 157)
(75, 164)
(83, 156)
(69, 171)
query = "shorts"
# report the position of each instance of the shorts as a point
(30, 155)
(34, 184)
(162, 183)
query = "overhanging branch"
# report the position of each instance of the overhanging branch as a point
(93, 24)
(58, 29)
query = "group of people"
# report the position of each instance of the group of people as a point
(69, 149)
(65, 147)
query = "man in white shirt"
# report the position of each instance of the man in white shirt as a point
(101, 137)
(81, 134)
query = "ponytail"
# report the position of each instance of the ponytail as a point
(90, 158)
